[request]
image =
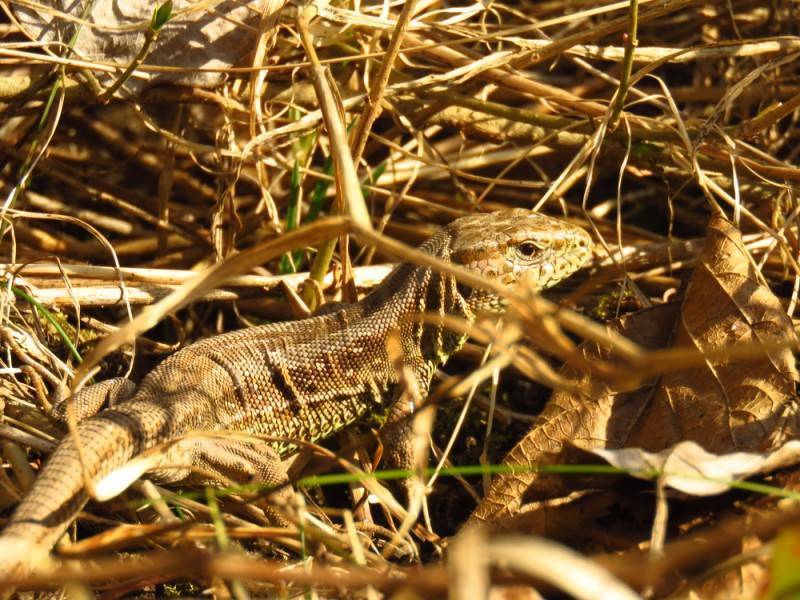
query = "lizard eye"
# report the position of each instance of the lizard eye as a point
(528, 248)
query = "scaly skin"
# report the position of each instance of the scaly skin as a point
(302, 380)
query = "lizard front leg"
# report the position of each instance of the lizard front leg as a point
(405, 439)
(397, 437)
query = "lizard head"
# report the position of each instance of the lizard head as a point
(516, 246)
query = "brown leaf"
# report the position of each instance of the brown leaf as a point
(729, 404)
(724, 406)
(745, 580)
(196, 38)
(600, 422)
(692, 470)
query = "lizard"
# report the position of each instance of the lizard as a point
(298, 380)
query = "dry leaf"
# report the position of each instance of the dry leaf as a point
(600, 422)
(742, 579)
(217, 34)
(730, 404)
(689, 468)
(726, 406)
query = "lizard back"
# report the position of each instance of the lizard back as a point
(302, 380)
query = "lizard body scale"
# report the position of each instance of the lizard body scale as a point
(301, 380)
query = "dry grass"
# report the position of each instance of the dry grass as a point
(200, 204)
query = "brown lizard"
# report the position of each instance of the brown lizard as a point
(302, 380)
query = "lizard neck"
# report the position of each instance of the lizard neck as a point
(411, 291)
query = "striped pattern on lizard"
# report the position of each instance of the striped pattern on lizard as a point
(302, 380)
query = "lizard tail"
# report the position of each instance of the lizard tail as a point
(59, 494)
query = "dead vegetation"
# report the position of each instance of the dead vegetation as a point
(223, 163)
